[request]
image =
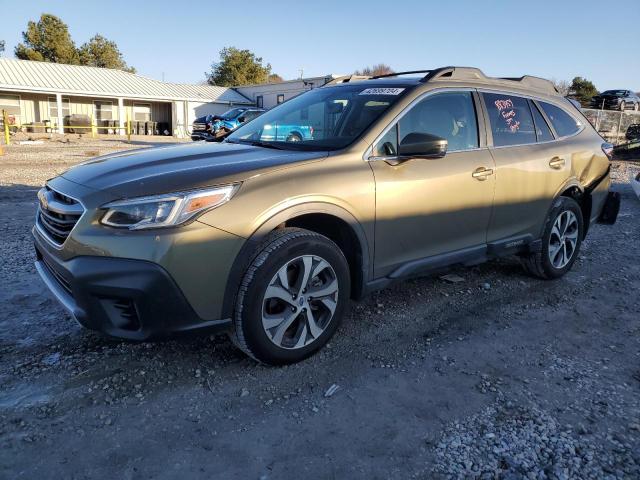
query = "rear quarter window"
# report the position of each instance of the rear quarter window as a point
(562, 122)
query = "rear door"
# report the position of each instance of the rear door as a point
(530, 167)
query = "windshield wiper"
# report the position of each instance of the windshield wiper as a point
(258, 143)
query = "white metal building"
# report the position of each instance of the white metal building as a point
(45, 94)
(269, 95)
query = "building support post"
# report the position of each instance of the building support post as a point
(121, 114)
(60, 117)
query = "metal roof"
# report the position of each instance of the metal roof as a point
(26, 75)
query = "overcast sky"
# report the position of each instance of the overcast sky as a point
(553, 39)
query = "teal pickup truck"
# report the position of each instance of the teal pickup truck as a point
(286, 133)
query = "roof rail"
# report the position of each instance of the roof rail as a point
(395, 74)
(346, 79)
(471, 73)
(462, 74)
(533, 82)
(454, 73)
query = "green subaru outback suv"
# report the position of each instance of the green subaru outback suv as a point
(268, 239)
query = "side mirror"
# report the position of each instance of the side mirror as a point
(242, 119)
(422, 145)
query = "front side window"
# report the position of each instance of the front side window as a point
(448, 115)
(251, 114)
(562, 122)
(615, 93)
(387, 146)
(233, 113)
(327, 118)
(510, 119)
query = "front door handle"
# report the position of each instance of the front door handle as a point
(482, 173)
(557, 163)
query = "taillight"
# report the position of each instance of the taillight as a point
(607, 148)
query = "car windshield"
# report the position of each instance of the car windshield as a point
(616, 93)
(233, 113)
(328, 118)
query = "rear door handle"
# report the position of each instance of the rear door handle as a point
(482, 173)
(557, 163)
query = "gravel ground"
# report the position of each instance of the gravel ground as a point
(495, 376)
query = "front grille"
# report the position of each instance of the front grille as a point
(57, 276)
(57, 214)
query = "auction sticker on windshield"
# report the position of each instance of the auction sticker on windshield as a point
(381, 91)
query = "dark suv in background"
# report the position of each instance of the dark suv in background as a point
(616, 100)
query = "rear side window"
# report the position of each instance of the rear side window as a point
(542, 129)
(510, 119)
(563, 123)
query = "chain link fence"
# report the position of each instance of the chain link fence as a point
(613, 125)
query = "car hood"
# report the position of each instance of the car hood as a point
(173, 168)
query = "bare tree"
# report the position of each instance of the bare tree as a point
(379, 69)
(562, 86)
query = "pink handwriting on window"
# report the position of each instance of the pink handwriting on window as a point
(503, 104)
(505, 107)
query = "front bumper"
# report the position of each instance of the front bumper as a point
(133, 299)
(200, 135)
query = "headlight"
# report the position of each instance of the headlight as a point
(164, 210)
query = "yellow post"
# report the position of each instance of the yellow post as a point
(128, 127)
(93, 128)
(5, 122)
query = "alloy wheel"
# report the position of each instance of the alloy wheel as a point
(300, 301)
(563, 239)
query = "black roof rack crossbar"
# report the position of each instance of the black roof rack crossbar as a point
(395, 74)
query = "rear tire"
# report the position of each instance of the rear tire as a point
(277, 319)
(294, 137)
(561, 241)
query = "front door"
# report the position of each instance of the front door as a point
(427, 207)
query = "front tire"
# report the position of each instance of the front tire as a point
(560, 242)
(291, 298)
